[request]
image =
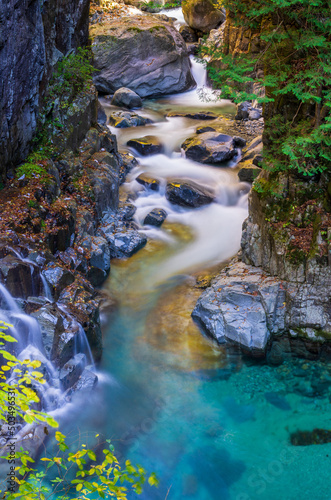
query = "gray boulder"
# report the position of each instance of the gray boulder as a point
(188, 194)
(148, 145)
(57, 278)
(248, 172)
(210, 147)
(72, 370)
(99, 261)
(125, 119)
(202, 15)
(156, 217)
(126, 98)
(155, 55)
(148, 181)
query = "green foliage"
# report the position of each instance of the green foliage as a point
(73, 73)
(33, 166)
(80, 475)
(296, 59)
(76, 475)
(153, 6)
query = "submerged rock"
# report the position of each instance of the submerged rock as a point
(306, 438)
(126, 98)
(155, 55)
(72, 370)
(210, 147)
(188, 194)
(148, 181)
(125, 119)
(202, 15)
(199, 115)
(148, 145)
(156, 217)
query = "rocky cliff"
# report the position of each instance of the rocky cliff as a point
(33, 36)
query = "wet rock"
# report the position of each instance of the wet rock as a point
(202, 129)
(156, 59)
(86, 382)
(307, 438)
(102, 117)
(51, 322)
(243, 306)
(126, 243)
(188, 194)
(72, 370)
(148, 181)
(129, 162)
(104, 177)
(192, 49)
(239, 142)
(209, 147)
(126, 98)
(57, 278)
(125, 119)
(248, 172)
(21, 278)
(148, 145)
(156, 217)
(99, 261)
(202, 15)
(199, 115)
(127, 211)
(188, 34)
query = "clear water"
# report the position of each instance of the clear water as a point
(209, 423)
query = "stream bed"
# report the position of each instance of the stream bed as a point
(211, 424)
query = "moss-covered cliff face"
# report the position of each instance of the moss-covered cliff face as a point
(33, 35)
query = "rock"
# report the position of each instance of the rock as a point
(21, 279)
(242, 306)
(306, 438)
(188, 194)
(156, 217)
(148, 181)
(72, 370)
(199, 115)
(242, 110)
(245, 111)
(126, 98)
(123, 242)
(254, 114)
(209, 147)
(248, 172)
(31, 39)
(125, 119)
(202, 15)
(102, 117)
(239, 142)
(248, 307)
(192, 49)
(129, 162)
(99, 261)
(148, 145)
(155, 55)
(57, 278)
(202, 129)
(188, 34)
(86, 382)
(51, 324)
(254, 150)
(104, 175)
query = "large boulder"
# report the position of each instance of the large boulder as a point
(155, 55)
(188, 194)
(125, 119)
(210, 147)
(126, 98)
(202, 15)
